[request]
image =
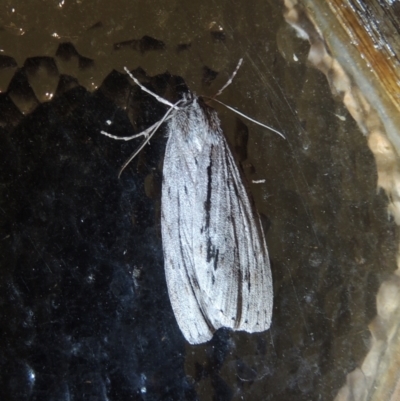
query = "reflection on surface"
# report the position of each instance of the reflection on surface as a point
(77, 318)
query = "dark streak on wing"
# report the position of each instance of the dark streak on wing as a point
(240, 299)
(216, 259)
(229, 161)
(191, 279)
(236, 268)
(247, 214)
(212, 251)
(207, 203)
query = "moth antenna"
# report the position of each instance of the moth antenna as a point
(143, 88)
(230, 79)
(250, 119)
(153, 129)
(236, 111)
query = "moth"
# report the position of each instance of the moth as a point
(215, 255)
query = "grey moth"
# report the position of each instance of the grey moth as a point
(215, 255)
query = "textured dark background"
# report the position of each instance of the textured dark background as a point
(84, 307)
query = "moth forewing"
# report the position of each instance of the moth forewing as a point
(216, 259)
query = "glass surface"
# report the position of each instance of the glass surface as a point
(85, 312)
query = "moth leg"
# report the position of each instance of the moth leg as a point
(146, 133)
(150, 132)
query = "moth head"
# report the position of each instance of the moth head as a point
(187, 99)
